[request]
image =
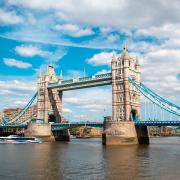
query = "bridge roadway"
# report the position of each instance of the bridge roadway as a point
(62, 126)
(85, 82)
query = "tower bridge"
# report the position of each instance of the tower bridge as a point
(126, 125)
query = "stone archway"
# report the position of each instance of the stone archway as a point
(134, 115)
(51, 118)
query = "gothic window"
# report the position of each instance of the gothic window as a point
(121, 87)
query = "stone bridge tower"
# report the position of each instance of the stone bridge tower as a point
(125, 97)
(125, 103)
(49, 102)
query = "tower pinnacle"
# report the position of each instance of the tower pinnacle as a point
(113, 57)
(125, 51)
(61, 76)
(125, 47)
(40, 73)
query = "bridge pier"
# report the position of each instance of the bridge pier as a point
(119, 133)
(62, 135)
(142, 134)
(124, 133)
(43, 130)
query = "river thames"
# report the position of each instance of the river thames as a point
(88, 159)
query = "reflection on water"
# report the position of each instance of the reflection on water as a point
(88, 159)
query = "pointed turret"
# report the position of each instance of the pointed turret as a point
(125, 51)
(113, 57)
(51, 73)
(40, 72)
(137, 62)
(61, 76)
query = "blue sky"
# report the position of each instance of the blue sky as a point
(80, 36)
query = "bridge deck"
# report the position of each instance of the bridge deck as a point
(61, 126)
(79, 83)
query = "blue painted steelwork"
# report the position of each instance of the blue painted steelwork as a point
(13, 126)
(17, 117)
(156, 99)
(62, 126)
(86, 82)
(158, 123)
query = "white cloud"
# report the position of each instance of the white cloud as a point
(16, 93)
(159, 71)
(16, 63)
(73, 73)
(125, 14)
(49, 56)
(73, 30)
(66, 110)
(103, 71)
(164, 31)
(9, 17)
(103, 58)
(30, 51)
(94, 103)
(93, 98)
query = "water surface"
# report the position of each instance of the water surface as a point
(88, 159)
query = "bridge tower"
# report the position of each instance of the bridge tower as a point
(125, 97)
(125, 102)
(49, 102)
(49, 108)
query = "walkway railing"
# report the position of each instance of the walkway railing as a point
(78, 83)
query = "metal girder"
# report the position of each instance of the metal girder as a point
(61, 126)
(158, 123)
(13, 126)
(86, 82)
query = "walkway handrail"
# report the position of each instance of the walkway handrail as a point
(158, 101)
(23, 110)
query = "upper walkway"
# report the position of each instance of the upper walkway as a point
(85, 82)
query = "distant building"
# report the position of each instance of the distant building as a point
(1, 116)
(154, 130)
(161, 131)
(12, 112)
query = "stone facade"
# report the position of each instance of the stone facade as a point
(125, 97)
(49, 102)
(11, 112)
(120, 129)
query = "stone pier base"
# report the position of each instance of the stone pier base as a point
(119, 133)
(38, 130)
(142, 134)
(44, 131)
(62, 135)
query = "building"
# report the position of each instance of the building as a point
(162, 131)
(1, 116)
(154, 130)
(125, 97)
(12, 112)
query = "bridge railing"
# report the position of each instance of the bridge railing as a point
(83, 79)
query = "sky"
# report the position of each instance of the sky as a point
(79, 38)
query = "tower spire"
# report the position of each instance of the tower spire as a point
(125, 51)
(113, 57)
(61, 76)
(125, 47)
(40, 72)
